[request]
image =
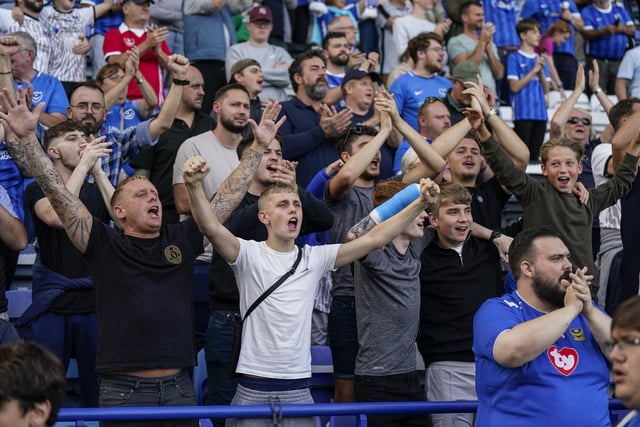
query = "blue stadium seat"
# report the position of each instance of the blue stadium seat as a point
(19, 300)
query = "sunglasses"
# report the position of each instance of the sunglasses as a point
(576, 120)
(359, 130)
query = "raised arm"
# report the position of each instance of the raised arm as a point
(358, 162)
(594, 85)
(386, 231)
(234, 187)
(510, 141)
(12, 231)
(92, 153)
(178, 66)
(225, 243)
(563, 112)
(431, 162)
(26, 151)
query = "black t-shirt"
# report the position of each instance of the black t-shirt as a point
(159, 160)
(58, 254)
(144, 296)
(487, 204)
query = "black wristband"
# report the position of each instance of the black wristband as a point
(179, 82)
(494, 235)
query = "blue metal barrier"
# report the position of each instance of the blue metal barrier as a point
(265, 411)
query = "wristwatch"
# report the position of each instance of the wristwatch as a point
(492, 112)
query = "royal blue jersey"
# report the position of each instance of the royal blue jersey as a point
(528, 104)
(546, 12)
(49, 90)
(566, 385)
(504, 15)
(609, 46)
(410, 90)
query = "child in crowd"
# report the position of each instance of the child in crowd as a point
(527, 75)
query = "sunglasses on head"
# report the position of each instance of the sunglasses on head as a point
(576, 120)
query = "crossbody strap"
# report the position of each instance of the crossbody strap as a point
(273, 287)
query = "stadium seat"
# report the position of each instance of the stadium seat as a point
(554, 99)
(19, 300)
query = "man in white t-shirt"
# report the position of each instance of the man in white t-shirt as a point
(275, 359)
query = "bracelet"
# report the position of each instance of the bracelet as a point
(597, 91)
(179, 82)
(494, 235)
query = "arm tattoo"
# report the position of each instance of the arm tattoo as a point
(233, 189)
(31, 159)
(362, 227)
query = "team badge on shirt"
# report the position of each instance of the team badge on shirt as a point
(565, 359)
(173, 254)
(577, 334)
(129, 42)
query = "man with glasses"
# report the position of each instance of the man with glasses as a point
(624, 353)
(87, 107)
(274, 60)
(412, 88)
(538, 350)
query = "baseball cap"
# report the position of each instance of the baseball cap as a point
(139, 1)
(357, 74)
(260, 13)
(466, 71)
(241, 65)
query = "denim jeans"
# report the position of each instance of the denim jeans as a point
(218, 343)
(125, 390)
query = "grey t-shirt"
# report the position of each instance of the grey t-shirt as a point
(388, 308)
(354, 206)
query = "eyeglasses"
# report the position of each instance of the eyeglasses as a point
(623, 345)
(83, 107)
(576, 120)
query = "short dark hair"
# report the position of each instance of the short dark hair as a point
(222, 92)
(622, 109)
(523, 247)
(464, 7)
(60, 129)
(91, 84)
(344, 141)
(526, 24)
(296, 65)
(421, 42)
(31, 374)
(450, 194)
(627, 315)
(247, 140)
(330, 36)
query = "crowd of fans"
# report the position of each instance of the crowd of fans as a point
(352, 155)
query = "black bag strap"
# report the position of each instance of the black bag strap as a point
(273, 287)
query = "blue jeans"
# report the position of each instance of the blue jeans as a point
(218, 343)
(125, 390)
(343, 335)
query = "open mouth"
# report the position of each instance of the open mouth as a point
(468, 163)
(564, 180)
(293, 224)
(154, 211)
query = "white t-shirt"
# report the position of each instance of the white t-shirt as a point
(276, 337)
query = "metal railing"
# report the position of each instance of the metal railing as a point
(81, 415)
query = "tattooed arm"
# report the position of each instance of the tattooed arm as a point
(233, 189)
(25, 149)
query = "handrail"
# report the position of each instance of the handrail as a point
(265, 411)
